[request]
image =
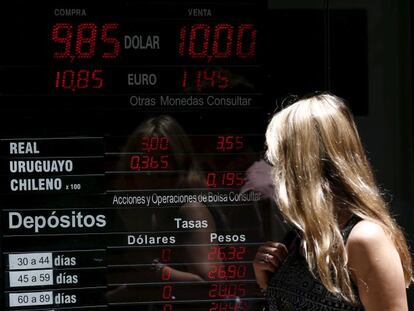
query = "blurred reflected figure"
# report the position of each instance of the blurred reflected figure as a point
(162, 151)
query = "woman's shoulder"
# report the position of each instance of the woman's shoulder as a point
(376, 267)
(370, 249)
(367, 234)
(366, 230)
(366, 241)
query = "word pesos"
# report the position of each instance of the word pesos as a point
(53, 221)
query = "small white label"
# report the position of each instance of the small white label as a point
(31, 299)
(30, 261)
(31, 278)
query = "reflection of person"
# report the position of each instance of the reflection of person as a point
(347, 252)
(258, 178)
(183, 173)
(178, 146)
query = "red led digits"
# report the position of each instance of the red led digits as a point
(167, 292)
(83, 79)
(181, 44)
(205, 79)
(80, 41)
(148, 162)
(226, 253)
(74, 80)
(219, 31)
(222, 41)
(62, 34)
(184, 79)
(154, 143)
(229, 143)
(224, 179)
(212, 78)
(196, 30)
(236, 252)
(166, 274)
(151, 161)
(246, 41)
(217, 253)
(168, 307)
(86, 40)
(110, 40)
(227, 272)
(97, 79)
(217, 272)
(166, 255)
(236, 271)
(226, 290)
(229, 306)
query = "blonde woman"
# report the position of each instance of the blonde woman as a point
(347, 252)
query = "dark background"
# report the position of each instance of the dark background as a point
(367, 52)
(367, 55)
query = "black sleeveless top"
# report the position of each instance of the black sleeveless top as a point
(294, 288)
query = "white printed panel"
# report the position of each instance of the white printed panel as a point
(31, 299)
(31, 278)
(30, 261)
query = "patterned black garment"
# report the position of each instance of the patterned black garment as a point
(294, 288)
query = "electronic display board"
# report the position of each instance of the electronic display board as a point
(127, 129)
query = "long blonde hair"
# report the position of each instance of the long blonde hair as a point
(320, 167)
